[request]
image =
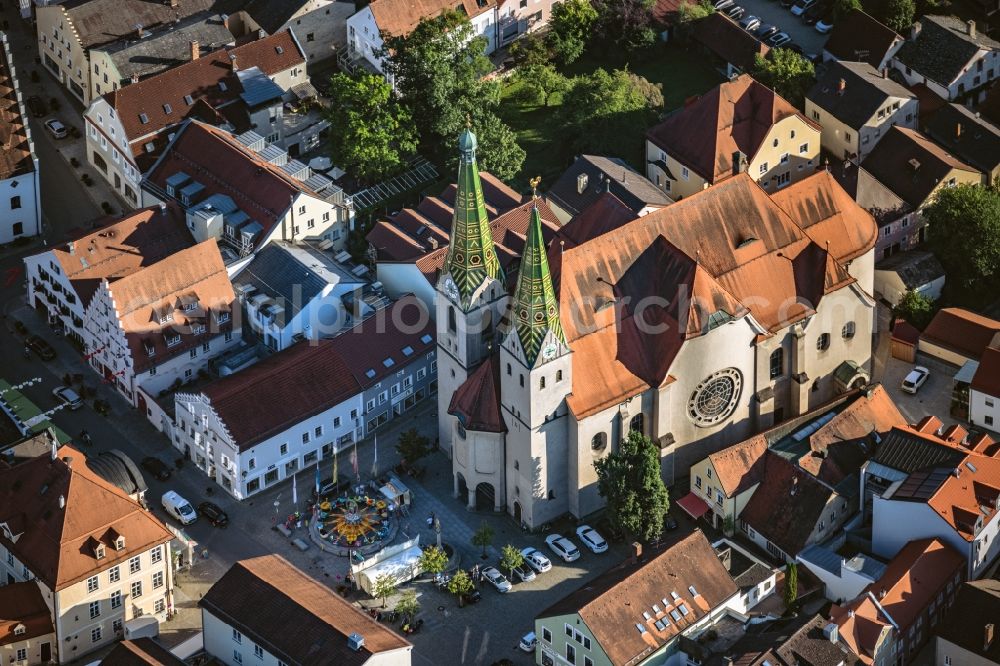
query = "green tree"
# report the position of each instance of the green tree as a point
(541, 82)
(483, 537)
(370, 131)
(785, 72)
(915, 308)
(408, 606)
(412, 446)
(625, 24)
(629, 480)
(570, 28)
(499, 152)
(460, 585)
(791, 586)
(601, 108)
(531, 50)
(899, 14)
(964, 232)
(842, 8)
(691, 11)
(384, 585)
(510, 559)
(433, 560)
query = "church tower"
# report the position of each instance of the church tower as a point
(471, 294)
(535, 377)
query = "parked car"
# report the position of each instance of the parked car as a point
(750, 23)
(669, 523)
(801, 6)
(534, 559)
(178, 508)
(497, 579)
(333, 488)
(472, 597)
(723, 4)
(68, 396)
(824, 25)
(779, 40)
(765, 31)
(213, 513)
(563, 547)
(156, 467)
(525, 573)
(43, 349)
(56, 128)
(36, 106)
(528, 642)
(916, 379)
(735, 12)
(591, 539)
(815, 13)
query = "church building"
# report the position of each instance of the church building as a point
(698, 325)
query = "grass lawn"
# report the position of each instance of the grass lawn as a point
(683, 74)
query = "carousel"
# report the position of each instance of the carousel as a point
(359, 522)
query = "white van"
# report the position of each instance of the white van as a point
(178, 508)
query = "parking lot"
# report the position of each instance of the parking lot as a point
(933, 398)
(771, 11)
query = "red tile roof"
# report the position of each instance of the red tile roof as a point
(858, 36)
(732, 117)
(961, 500)
(723, 37)
(128, 244)
(476, 402)
(400, 17)
(164, 290)
(57, 543)
(964, 332)
(613, 603)
(913, 579)
(301, 381)
(740, 466)
(140, 652)
(200, 80)
(15, 158)
(605, 214)
(22, 604)
(987, 377)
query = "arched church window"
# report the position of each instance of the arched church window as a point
(777, 363)
(558, 375)
(599, 441)
(637, 423)
(541, 382)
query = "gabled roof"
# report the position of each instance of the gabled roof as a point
(881, 202)
(600, 175)
(907, 450)
(860, 37)
(160, 102)
(169, 47)
(739, 467)
(943, 48)
(977, 604)
(987, 377)
(915, 268)
(913, 579)
(476, 402)
(967, 135)
(911, 165)
(732, 117)
(787, 505)
(741, 240)
(271, 15)
(788, 643)
(140, 652)
(57, 543)
(97, 22)
(22, 605)
(606, 213)
(854, 91)
(963, 331)
(612, 605)
(295, 617)
(16, 157)
(164, 292)
(281, 391)
(121, 247)
(399, 17)
(734, 45)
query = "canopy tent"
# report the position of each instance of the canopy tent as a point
(402, 567)
(693, 505)
(395, 491)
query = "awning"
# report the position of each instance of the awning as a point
(401, 568)
(395, 491)
(693, 505)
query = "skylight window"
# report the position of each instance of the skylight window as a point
(972, 468)
(665, 602)
(693, 591)
(143, 118)
(659, 625)
(279, 49)
(677, 616)
(646, 615)
(167, 109)
(426, 338)
(675, 596)
(684, 609)
(656, 609)
(641, 628)
(188, 100)
(222, 86)
(407, 350)
(369, 373)
(388, 362)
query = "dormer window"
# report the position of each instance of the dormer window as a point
(188, 100)
(120, 543)
(19, 630)
(198, 329)
(172, 339)
(222, 86)
(166, 317)
(99, 551)
(190, 305)
(143, 118)
(167, 109)
(150, 349)
(222, 317)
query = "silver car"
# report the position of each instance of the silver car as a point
(496, 579)
(68, 396)
(536, 560)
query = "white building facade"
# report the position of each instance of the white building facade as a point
(20, 206)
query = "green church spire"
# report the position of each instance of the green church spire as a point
(535, 309)
(471, 254)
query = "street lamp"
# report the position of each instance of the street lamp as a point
(437, 531)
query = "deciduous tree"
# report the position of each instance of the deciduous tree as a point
(433, 560)
(384, 585)
(541, 82)
(915, 308)
(412, 446)
(629, 480)
(785, 72)
(460, 585)
(791, 586)
(599, 109)
(625, 24)
(570, 28)
(964, 232)
(483, 537)
(510, 559)
(899, 14)
(408, 606)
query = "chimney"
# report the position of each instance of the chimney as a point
(581, 183)
(232, 62)
(62, 505)
(138, 31)
(881, 593)
(739, 162)
(850, 613)
(135, 77)
(71, 247)
(195, 49)
(69, 461)
(841, 86)
(915, 30)
(831, 631)
(988, 636)
(636, 551)
(970, 28)
(885, 72)
(958, 131)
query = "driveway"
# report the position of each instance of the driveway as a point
(933, 398)
(771, 11)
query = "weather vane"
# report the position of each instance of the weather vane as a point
(534, 186)
(468, 121)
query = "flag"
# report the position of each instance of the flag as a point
(375, 462)
(317, 477)
(354, 463)
(295, 493)
(335, 467)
